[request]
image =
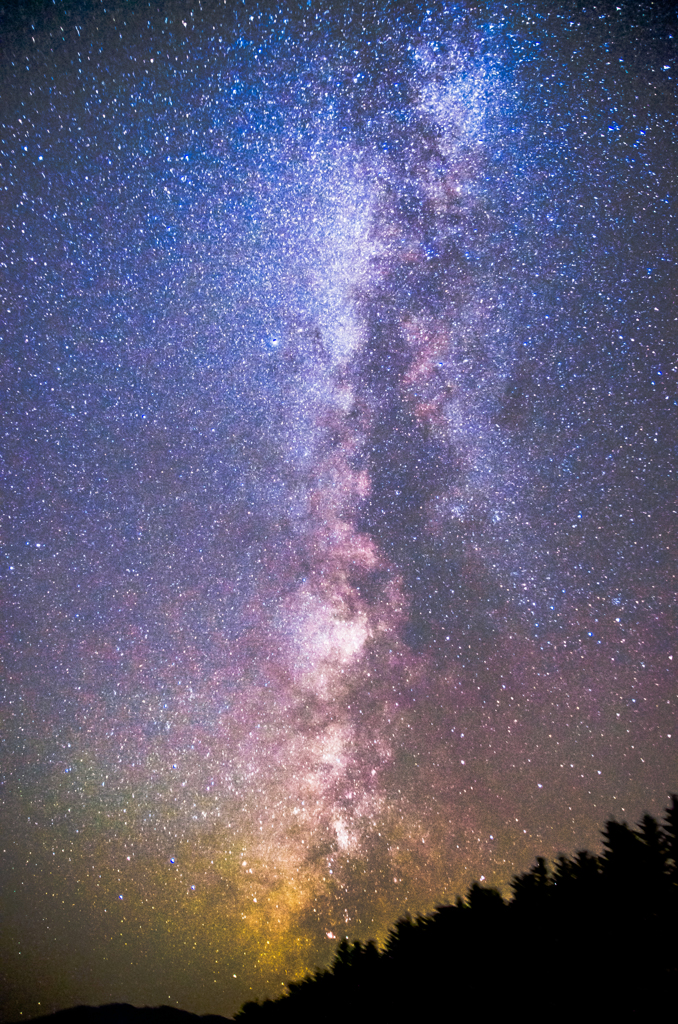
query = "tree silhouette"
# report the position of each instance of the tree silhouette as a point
(587, 932)
(587, 936)
(670, 833)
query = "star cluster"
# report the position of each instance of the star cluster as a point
(339, 443)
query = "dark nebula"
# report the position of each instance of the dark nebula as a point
(339, 441)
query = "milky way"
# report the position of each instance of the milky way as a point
(339, 455)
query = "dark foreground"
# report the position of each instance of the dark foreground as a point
(123, 1013)
(591, 938)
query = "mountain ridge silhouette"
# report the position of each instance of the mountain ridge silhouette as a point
(592, 935)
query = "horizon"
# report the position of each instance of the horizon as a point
(339, 459)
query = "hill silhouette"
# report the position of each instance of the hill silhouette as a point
(124, 1013)
(588, 936)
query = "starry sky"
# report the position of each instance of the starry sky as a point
(339, 430)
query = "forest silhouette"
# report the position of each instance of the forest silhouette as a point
(589, 935)
(586, 936)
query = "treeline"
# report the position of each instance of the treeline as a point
(589, 935)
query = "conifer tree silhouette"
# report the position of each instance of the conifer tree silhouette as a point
(608, 923)
(670, 831)
(485, 901)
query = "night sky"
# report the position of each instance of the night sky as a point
(339, 429)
